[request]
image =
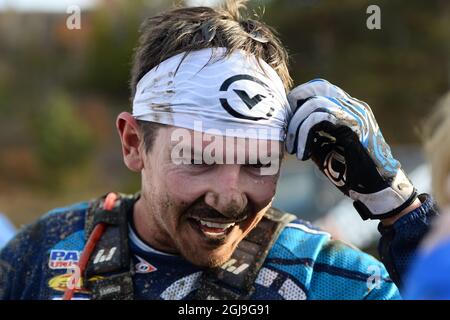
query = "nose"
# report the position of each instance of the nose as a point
(226, 194)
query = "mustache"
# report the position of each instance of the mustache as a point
(203, 211)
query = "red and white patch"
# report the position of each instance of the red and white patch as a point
(143, 266)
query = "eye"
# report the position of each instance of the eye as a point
(199, 163)
(259, 165)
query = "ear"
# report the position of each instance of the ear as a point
(131, 139)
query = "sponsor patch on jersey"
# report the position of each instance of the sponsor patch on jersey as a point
(143, 266)
(60, 282)
(75, 297)
(63, 259)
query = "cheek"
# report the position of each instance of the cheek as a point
(164, 191)
(183, 188)
(262, 191)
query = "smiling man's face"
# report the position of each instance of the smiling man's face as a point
(201, 211)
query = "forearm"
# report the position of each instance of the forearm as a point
(401, 236)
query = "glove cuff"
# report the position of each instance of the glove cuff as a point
(387, 202)
(366, 214)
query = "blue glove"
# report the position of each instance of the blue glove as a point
(340, 134)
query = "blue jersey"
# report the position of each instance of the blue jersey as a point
(304, 263)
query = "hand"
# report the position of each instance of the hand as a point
(340, 134)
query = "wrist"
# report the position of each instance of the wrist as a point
(391, 220)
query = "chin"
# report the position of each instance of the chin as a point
(211, 253)
(214, 261)
(211, 259)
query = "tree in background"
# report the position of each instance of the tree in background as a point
(399, 70)
(59, 87)
(63, 141)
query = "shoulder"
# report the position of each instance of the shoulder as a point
(328, 269)
(51, 228)
(62, 221)
(56, 227)
(299, 241)
(28, 254)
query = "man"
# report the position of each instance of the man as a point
(207, 135)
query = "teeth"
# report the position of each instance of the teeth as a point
(222, 226)
(214, 235)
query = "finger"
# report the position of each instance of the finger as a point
(321, 87)
(341, 107)
(315, 87)
(306, 131)
(324, 105)
(364, 110)
(299, 129)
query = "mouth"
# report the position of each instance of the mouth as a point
(214, 229)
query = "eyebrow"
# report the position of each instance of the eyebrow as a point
(198, 154)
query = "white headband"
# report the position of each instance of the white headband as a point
(226, 93)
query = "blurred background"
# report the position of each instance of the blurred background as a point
(61, 89)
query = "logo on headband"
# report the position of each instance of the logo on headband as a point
(248, 101)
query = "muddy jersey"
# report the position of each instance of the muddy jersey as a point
(304, 263)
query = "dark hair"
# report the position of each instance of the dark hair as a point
(149, 131)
